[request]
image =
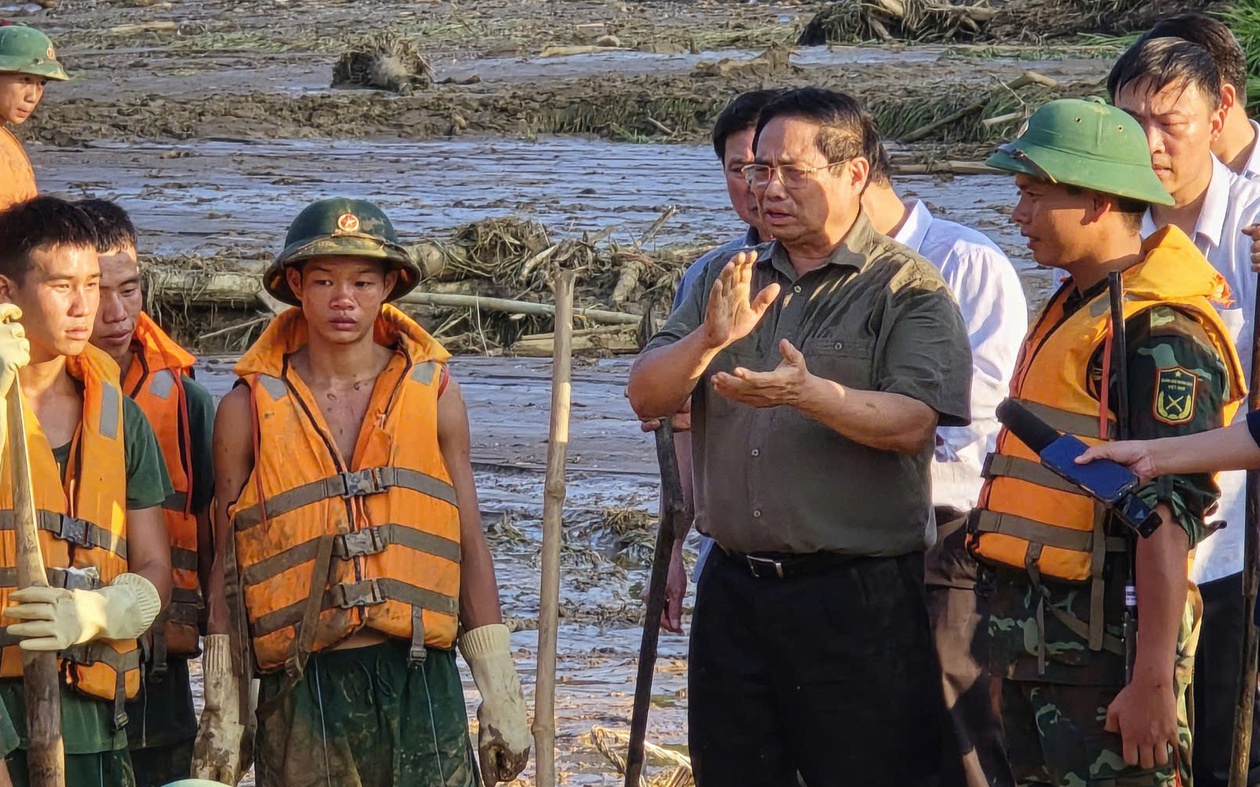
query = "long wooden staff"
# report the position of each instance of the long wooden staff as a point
(673, 515)
(553, 510)
(45, 757)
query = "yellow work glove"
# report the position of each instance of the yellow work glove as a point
(56, 618)
(15, 350)
(217, 752)
(503, 740)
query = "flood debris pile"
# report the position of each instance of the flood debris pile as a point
(675, 768)
(994, 21)
(385, 61)
(486, 289)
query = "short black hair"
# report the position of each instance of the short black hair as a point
(881, 167)
(847, 130)
(42, 222)
(1132, 210)
(1160, 62)
(114, 229)
(1214, 36)
(740, 115)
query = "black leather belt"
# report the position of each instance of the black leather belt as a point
(779, 565)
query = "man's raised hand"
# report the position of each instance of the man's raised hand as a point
(733, 312)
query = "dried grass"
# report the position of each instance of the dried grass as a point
(384, 61)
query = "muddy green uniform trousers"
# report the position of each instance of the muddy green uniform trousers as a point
(364, 717)
(162, 725)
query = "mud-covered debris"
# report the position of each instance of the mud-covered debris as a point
(384, 61)
(608, 41)
(853, 21)
(774, 62)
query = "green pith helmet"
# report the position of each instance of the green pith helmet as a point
(341, 227)
(1086, 143)
(25, 50)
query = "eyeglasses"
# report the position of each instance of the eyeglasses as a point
(792, 176)
(1023, 158)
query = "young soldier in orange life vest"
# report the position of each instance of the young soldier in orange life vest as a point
(345, 493)
(99, 484)
(27, 62)
(156, 373)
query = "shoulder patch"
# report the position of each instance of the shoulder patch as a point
(1175, 390)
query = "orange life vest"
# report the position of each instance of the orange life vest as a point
(1028, 517)
(155, 381)
(17, 179)
(83, 526)
(326, 547)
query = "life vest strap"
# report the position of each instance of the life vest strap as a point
(68, 578)
(79, 532)
(358, 483)
(1069, 422)
(348, 595)
(359, 543)
(1040, 533)
(1001, 466)
(185, 559)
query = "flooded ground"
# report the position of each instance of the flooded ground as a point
(212, 122)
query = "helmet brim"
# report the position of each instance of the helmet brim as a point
(48, 70)
(397, 258)
(1133, 181)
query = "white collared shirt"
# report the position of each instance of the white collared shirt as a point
(1232, 203)
(1252, 170)
(995, 312)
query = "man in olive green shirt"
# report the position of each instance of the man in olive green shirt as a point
(818, 369)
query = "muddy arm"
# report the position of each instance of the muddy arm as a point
(478, 588)
(233, 462)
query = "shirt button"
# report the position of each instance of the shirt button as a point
(839, 345)
(756, 452)
(797, 288)
(756, 513)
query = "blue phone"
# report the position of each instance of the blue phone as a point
(1104, 479)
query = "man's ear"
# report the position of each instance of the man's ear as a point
(1229, 97)
(391, 280)
(1100, 204)
(7, 288)
(293, 275)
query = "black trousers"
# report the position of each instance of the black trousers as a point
(1215, 685)
(831, 676)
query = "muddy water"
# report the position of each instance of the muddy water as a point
(611, 464)
(206, 196)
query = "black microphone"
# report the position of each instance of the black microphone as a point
(1111, 483)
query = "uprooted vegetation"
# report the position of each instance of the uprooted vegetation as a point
(999, 21)
(385, 61)
(486, 288)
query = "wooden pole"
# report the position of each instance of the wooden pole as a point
(1246, 702)
(553, 510)
(673, 524)
(45, 757)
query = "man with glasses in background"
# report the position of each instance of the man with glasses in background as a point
(818, 369)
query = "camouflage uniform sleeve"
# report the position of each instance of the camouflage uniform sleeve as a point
(1178, 385)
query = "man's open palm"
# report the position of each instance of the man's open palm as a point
(733, 312)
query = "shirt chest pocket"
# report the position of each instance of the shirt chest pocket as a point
(847, 361)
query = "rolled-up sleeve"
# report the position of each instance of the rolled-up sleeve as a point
(926, 355)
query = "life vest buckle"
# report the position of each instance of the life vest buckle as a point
(347, 595)
(361, 483)
(81, 578)
(359, 543)
(73, 530)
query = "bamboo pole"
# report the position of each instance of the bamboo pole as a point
(45, 756)
(553, 509)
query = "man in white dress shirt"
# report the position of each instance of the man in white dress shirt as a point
(996, 316)
(1172, 87)
(1236, 145)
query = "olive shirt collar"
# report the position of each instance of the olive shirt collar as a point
(852, 252)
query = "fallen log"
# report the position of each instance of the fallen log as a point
(606, 338)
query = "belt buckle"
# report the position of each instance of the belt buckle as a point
(754, 561)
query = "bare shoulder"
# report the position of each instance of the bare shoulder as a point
(232, 422)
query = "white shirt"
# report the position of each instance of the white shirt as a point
(995, 312)
(1232, 202)
(1252, 170)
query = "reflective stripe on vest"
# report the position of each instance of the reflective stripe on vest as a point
(326, 546)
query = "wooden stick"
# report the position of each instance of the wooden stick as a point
(45, 756)
(1240, 763)
(672, 524)
(553, 509)
(1023, 80)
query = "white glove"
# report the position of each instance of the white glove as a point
(503, 740)
(58, 618)
(15, 350)
(218, 750)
